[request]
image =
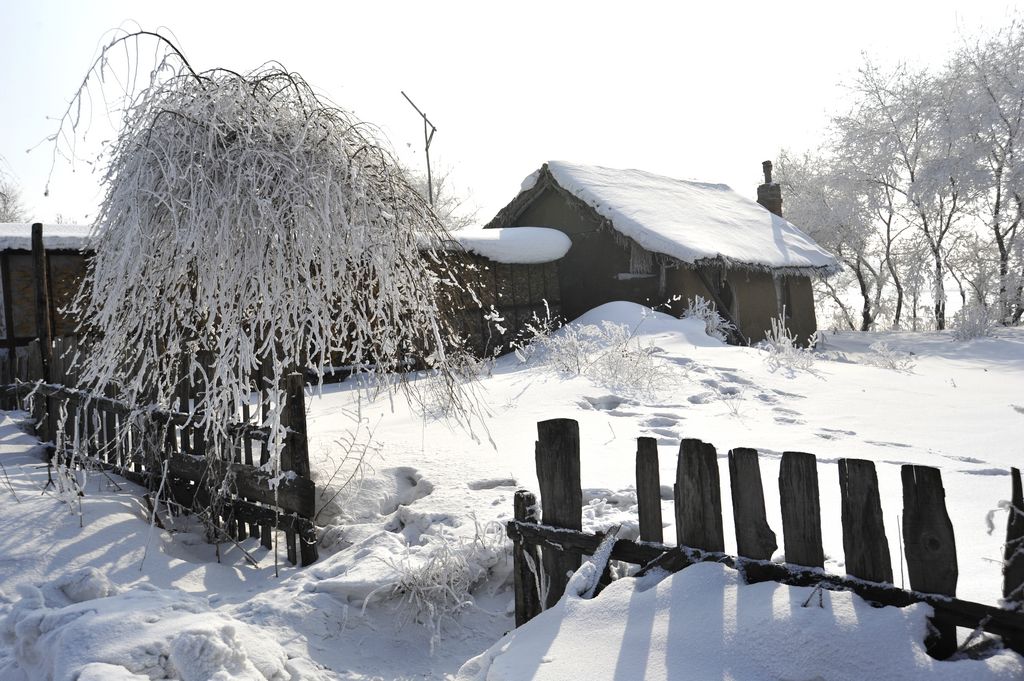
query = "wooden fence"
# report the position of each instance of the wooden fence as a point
(930, 546)
(166, 451)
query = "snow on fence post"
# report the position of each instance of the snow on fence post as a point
(525, 561)
(698, 497)
(864, 543)
(930, 546)
(801, 509)
(754, 538)
(558, 473)
(648, 490)
(1013, 553)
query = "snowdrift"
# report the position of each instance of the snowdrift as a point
(705, 623)
(81, 626)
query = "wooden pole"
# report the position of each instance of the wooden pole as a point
(864, 543)
(296, 455)
(698, 497)
(43, 329)
(930, 546)
(648, 489)
(526, 562)
(1013, 554)
(754, 538)
(558, 472)
(801, 509)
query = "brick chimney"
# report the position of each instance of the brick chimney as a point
(769, 194)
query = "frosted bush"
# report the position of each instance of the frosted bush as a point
(972, 321)
(608, 353)
(433, 590)
(715, 325)
(884, 357)
(783, 350)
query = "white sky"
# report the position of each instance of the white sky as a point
(693, 91)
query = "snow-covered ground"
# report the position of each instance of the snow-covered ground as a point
(414, 576)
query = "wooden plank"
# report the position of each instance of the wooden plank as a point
(525, 561)
(293, 494)
(801, 509)
(864, 543)
(930, 546)
(12, 347)
(1006, 623)
(1013, 554)
(754, 538)
(557, 457)
(648, 489)
(43, 329)
(698, 497)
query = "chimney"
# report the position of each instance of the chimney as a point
(769, 194)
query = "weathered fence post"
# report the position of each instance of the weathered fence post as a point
(801, 509)
(558, 473)
(43, 328)
(295, 457)
(930, 546)
(754, 538)
(1013, 553)
(864, 543)
(698, 497)
(648, 490)
(526, 563)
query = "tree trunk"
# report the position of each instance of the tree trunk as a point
(940, 292)
(866, 317)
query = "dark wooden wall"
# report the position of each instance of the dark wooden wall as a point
(516, 292)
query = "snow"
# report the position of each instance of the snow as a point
(521, 245)
(414, 577)
(691, 221)
(18, 236)
(705, 623)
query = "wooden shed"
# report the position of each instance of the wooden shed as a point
(507, 279)
(659, 241)
(31, 310)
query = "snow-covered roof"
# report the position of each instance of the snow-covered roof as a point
(18, 236)
(521, 245)
(687, 220)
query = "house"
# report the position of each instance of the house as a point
(660, 241)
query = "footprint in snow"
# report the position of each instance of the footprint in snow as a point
(701, 398)
(964, 459)
(880, 443)
(491, 483)
(660, 422)
(604, 402)
(410, 485)
(789, 420)
(1017, 408)
(986, 471)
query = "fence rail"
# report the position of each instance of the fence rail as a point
(556, 542)
(166, 449)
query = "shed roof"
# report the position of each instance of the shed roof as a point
(18, 236)
(686, 220)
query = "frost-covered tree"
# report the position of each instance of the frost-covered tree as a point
(830, 202)
(248, 223)
(11, 207)
(989, 75)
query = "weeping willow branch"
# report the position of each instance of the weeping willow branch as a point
(249, 226)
